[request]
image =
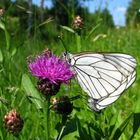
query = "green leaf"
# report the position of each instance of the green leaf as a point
(98, 133)
(1, 57)
(31, 91)
(68, 29)
(14, 51)
(121, 128)
(92, 31)
(2, 26)
(83, 132)
(114, 122)
(137, 104)
(7, 39)
(1, 135)
(7, 36)
(136, 124)
(69, 128)
(71, 136)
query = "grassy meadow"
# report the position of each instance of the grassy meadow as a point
(118, 121)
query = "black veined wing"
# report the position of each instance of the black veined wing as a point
(104, 77)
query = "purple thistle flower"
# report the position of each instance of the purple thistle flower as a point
(52, 68)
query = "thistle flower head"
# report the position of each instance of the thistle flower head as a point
(52, 68)
(13, 122)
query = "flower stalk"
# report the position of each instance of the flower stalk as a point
(47, 117)
(64, 121)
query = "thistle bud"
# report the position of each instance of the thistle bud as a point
(77, 23)
(13, 122)
(62, 105)
(1, 12)
(47, 88)
(47, 52)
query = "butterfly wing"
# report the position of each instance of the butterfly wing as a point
(103, 76)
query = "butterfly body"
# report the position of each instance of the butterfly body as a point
(104, 77)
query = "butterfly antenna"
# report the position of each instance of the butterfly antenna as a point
(63, 44)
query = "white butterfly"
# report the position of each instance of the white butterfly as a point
(104, 77)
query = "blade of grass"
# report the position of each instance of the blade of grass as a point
(136, 110)
(67, 29)
(7, 36)
(1, 57)
(45, 22)
(92, 31)
(136, 124)
(121, 128)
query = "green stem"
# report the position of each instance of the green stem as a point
(78, 42)
(64, 120)
(61, 132)
(47, 120)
